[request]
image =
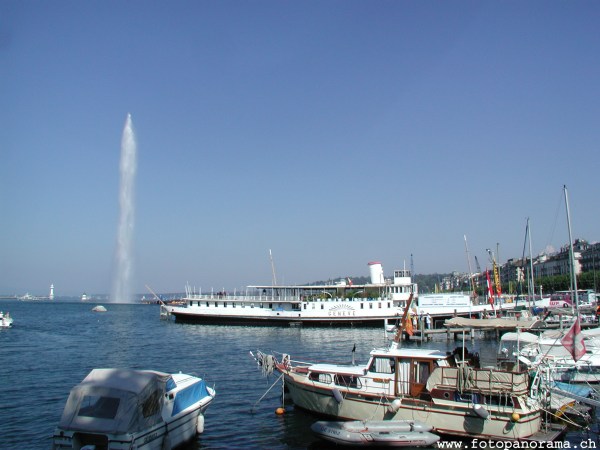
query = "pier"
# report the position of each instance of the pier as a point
(459, 327)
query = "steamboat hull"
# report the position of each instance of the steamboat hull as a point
(220, 319)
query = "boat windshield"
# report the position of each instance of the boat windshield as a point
(99, 407)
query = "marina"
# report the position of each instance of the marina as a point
(64, 350)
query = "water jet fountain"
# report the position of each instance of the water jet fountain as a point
(121, 292)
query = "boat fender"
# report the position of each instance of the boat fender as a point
(200, 424)
(337, 395)
(481, 411)
(395, 405)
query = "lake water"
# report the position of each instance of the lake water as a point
(53, 346)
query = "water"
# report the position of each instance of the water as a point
(53, 346)
(123, 255)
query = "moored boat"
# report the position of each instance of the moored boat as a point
(449, 391)
(340, 303)
(376, 433)
(118, 409)
(5, 320)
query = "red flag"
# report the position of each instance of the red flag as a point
(573, 341)
(489, 289)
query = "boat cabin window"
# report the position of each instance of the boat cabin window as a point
(370, 305)
(422, 371)
(379, 305)
(348, 381)
(99, 407)
(320, 377)
(224, 304)
(152, 404)
(362, 306)
(382, 365)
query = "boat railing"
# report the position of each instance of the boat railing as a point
(241, 297)
(281, 298)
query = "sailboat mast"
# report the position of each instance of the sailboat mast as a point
(571, 253)
(531, 261)
(273, 268)
(470, 271)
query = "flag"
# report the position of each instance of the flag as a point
(408, 326)
(573, 341)
(489, 289)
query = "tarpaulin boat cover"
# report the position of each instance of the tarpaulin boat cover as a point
(493, 323)
(481, 380)
(115, 401)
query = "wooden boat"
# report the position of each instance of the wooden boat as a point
(449, 391)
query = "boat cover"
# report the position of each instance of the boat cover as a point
(493, 323)
(115, 401)
(482, 380)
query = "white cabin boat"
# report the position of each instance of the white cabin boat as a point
(5, 320)
(342, 303)
(118, 409)
(547, 351)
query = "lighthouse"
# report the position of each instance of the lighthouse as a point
(51, 296)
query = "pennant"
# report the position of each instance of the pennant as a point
(573, 341)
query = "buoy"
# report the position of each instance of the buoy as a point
(279, 411)
(515, 417)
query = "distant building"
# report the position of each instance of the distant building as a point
(587, 259)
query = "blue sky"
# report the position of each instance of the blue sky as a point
(332, 132)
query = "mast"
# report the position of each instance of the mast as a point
(571, 253)
(470, 270)
(273, 268)
(531, 263)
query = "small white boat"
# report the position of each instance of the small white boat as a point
(117, 409)
(388, 433)
(99, 308)
(5, 320)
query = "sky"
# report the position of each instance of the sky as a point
(331, 133)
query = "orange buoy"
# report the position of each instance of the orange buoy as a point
(279, 411)
(515, 417)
